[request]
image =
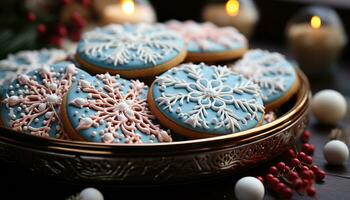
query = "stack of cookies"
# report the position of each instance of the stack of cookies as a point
(146, 84)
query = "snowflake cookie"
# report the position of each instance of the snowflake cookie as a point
(130, 50)
(33, 100)
(200, 101)
(207, 42)
(110, 109)
(275, 76)
(25, 61)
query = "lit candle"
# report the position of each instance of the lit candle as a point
(316, 46)
(128, 11)
(240, 14)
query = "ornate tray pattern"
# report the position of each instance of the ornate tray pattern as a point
(177, 162)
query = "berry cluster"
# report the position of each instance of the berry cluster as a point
(54, 33)
(297, 173)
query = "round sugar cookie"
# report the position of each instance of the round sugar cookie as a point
(133, 51)
(199, 101)
(208, 43)
(33, 100)
(110, 109)
(25, 61)
(276, 77)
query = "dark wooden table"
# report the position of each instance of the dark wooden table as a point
(19, 185)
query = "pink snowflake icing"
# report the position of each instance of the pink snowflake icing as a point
(33, 103)
(124, 114)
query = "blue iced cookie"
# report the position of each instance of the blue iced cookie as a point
(110, 109)
(132, 51)
(33, 100)
(208, 43)
(199, 101)
(25, 61)
(275, 76)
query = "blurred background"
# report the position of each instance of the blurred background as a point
(16, 32)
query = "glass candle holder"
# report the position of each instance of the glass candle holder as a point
(241, 14)
(125, 11)
(316, 38)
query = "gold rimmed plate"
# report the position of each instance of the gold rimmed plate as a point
(163, 163)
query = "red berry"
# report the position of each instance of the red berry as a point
(314, 168)
(311, 191)
(292, 176)
(75, 36)
(304, 168)
(269, 178)
(295, 162)
(78, 20)
(41, 28)
(291, 153)
(286, 168)
(297, 183)
(273, 170)
(56, 40)
(308, 160)
(31, 17)
(61, 30)
(275, 181)
(305, 174)
(280, 187)
(308, 148)
(66, 2)
(280, 165)
(301, 155)
(306, 136)
(311, 173)
(260, 178)
(320, 175)
(287, 193)
(86, 3)
(306, 183)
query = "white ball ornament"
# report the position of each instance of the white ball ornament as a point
(329, 106)
(90, 194)
(336, 152)
(249, 188)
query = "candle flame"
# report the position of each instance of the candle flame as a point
(128, 6)
(232, 7)
(316, 22)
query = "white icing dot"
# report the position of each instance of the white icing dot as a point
(13, 100)
(53, 86)
(25, 128)
(42, 107)
(93, 133)
(84, 84)
(48, 115)
(75, 113)
(53, 99)
(36, 120)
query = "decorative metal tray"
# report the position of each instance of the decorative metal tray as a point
(165, 163)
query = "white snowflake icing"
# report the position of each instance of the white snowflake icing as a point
(142, 42)
(203, 34)
(123, 115)
(215, 94)
(39, 97)
(270, 71)
(25, 61)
